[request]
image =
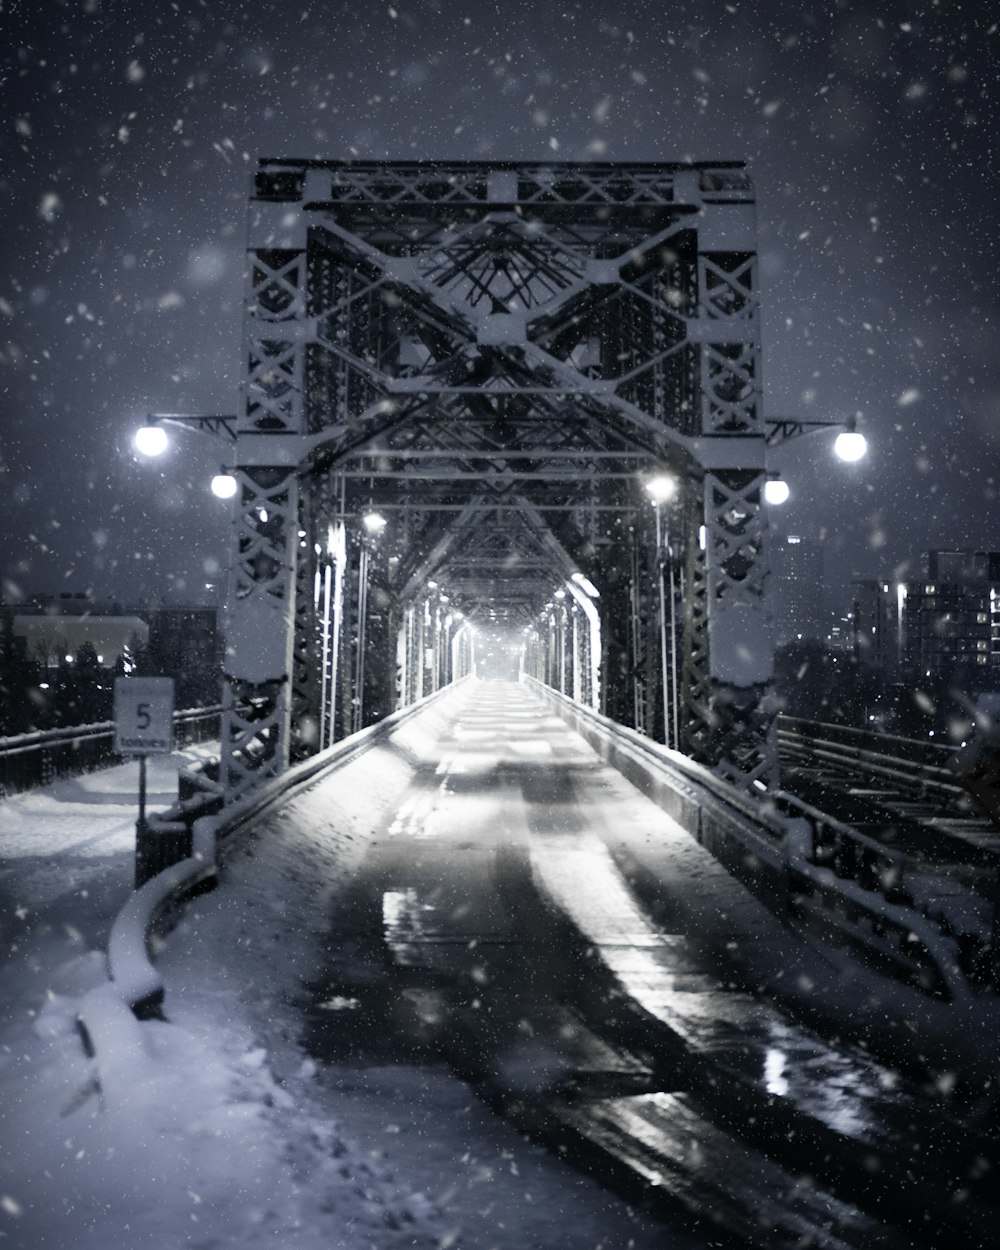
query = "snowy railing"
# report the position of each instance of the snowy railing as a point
(799, 861)
(33, 759)
(108, 1014)
(920, 768)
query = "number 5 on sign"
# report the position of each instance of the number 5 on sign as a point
(144, 715)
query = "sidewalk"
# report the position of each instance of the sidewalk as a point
(67, 855)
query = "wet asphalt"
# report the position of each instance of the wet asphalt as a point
(490, 930)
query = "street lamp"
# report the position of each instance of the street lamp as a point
(850, 446)
(586, 585)
(150, 440)
(373, 522)
(661, 488)
(776, 490)
(224, 486)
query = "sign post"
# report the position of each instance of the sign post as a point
(144, 726)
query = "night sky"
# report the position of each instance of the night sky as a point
(129, 131)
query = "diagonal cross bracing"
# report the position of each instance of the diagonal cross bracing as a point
(481, 362)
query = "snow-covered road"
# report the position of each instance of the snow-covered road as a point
(445, 903)
(232, 1134)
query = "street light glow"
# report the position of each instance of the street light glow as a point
(775, 491)
(224, 486)
(150, 440)
(850, 446)
(662, 487)
(373, 522)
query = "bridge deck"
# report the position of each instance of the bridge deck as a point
(480, 902)
(490, 922)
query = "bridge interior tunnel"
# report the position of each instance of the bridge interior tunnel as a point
(479, 567)
(463, 384)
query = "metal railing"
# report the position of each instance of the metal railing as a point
(918, 769)
(800, 861)
(194, 834)
(35, 759)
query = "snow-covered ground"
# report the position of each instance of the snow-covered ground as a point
(226, 1133)
(220, 1129)
(67, 859)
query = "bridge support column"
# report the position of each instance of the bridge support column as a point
(618, 690)
(729, 651)
(729, 722)
(259, 630)
(267, 585)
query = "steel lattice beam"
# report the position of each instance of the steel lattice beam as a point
(491, 354)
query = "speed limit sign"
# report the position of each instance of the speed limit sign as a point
(144, 715)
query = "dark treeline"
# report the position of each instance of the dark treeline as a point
(37, 694)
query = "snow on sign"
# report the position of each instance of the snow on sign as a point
(144, 715)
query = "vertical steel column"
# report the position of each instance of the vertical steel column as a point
(360, 639)
(261, 593)
(730, 667)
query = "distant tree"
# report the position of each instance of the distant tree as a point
(22, 702)
(93, 686)
(144, 662)
(49, 652)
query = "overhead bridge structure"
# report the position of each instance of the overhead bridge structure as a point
(460, 381)
(505, 419)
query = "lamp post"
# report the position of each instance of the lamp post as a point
(150, 440)
(373, 523)
(662, 488)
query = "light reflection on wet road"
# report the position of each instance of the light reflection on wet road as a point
(491, 924)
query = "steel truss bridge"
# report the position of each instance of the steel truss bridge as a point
(462, 382)
(457, 379)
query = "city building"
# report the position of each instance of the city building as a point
(950, 623)
(875, 620)
(944, 626)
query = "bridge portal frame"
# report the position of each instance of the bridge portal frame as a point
(328, 240)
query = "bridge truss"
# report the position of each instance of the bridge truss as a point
(457, 379)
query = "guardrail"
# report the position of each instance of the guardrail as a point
(799, 861)
(34, 759)
(918, 769)
(108, 1015)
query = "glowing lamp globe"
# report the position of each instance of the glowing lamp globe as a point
(224, 486)
(850, 446)
(150, 440)
(373, 522)
(661, 488)
(776, 491)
